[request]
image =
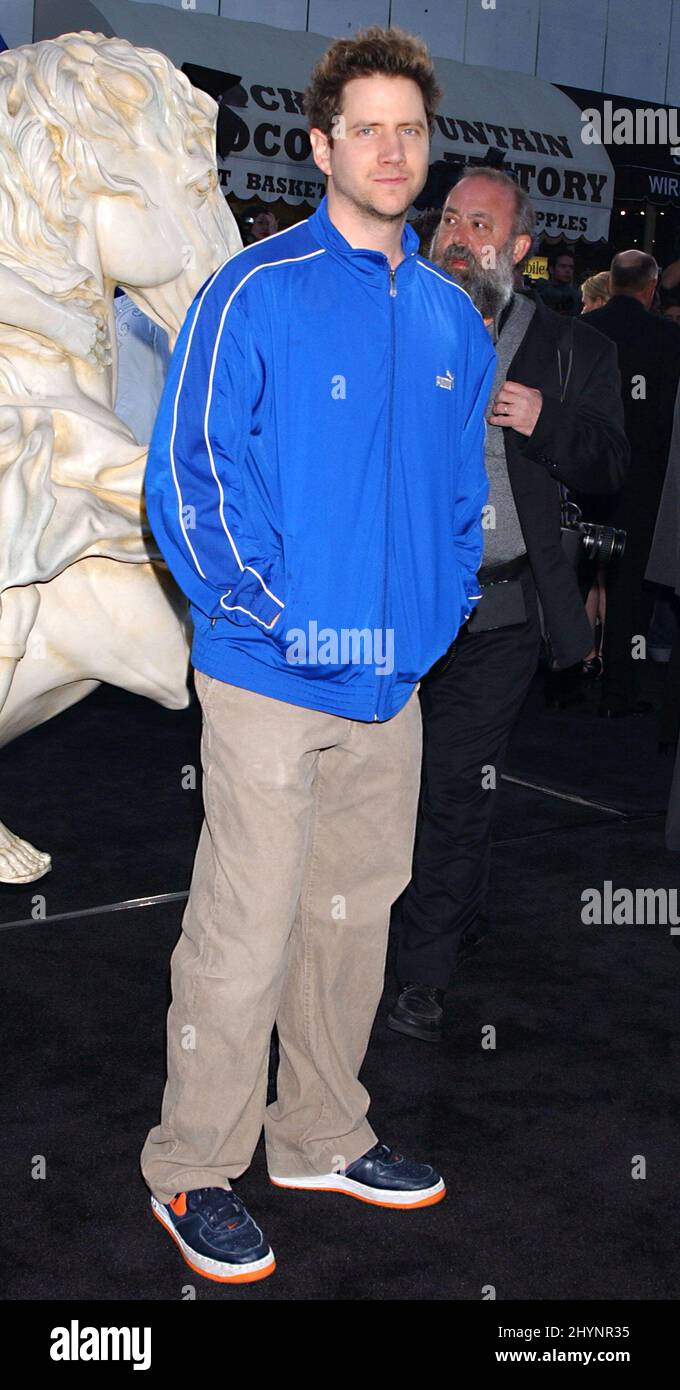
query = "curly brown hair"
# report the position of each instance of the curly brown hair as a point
(374, 50)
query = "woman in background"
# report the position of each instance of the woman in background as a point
(595, 291)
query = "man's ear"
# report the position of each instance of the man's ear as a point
(522, 247)
(321, 150)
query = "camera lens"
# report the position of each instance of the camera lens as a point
(602, 544)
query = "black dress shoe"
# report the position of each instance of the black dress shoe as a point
(625, 711)
(418, 1012)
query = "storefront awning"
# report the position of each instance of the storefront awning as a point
(535, 124)
(644, 171)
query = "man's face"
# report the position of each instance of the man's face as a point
(379, 157)
(475, 244)
(672, 312)
(563, 271)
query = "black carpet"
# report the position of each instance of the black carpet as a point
(537, 1138)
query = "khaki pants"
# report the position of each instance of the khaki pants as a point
(306, 843)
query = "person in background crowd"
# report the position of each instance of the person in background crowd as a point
(255, 224)
(559, 292)
(669, 288)
(664, 628)
(520, 281)
(649, 361)
(663, 568)
(669, 280)
(556, 418)
(595, 291)
(424, 224)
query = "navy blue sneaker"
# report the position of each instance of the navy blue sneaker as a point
(380, 1177)
(216, 1236)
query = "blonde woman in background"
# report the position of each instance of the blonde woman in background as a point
(595, 291)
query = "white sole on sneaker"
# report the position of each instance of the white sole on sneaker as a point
(219, 1270)
(377, 1197)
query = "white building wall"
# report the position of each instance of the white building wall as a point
(638, 45)
(504, 37)
(16, 22)
(442, 24)
(572, 42)
(282, 14)
(198, 6)
(673, 84)
(627, 47)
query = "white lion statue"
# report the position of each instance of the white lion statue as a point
(107, 178)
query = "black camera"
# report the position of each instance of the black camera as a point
(588, 540)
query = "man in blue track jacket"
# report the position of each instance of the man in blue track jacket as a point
(315, 483)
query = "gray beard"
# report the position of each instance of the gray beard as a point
(489, 290)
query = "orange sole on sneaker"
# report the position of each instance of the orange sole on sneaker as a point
(266, 1268)
(434, 1195)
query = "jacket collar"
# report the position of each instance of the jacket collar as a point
(370, 266)
(625, 304)
(496, 328)
(550, 321)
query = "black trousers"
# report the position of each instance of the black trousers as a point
(630, 601)
(673, 815)
(668, 725)
(469, 705)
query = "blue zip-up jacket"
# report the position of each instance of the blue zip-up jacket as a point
(316, 475)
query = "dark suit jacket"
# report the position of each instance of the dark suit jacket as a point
(664, 557)
(579, 441)
(649, 348)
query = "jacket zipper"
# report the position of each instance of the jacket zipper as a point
(388, 477)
